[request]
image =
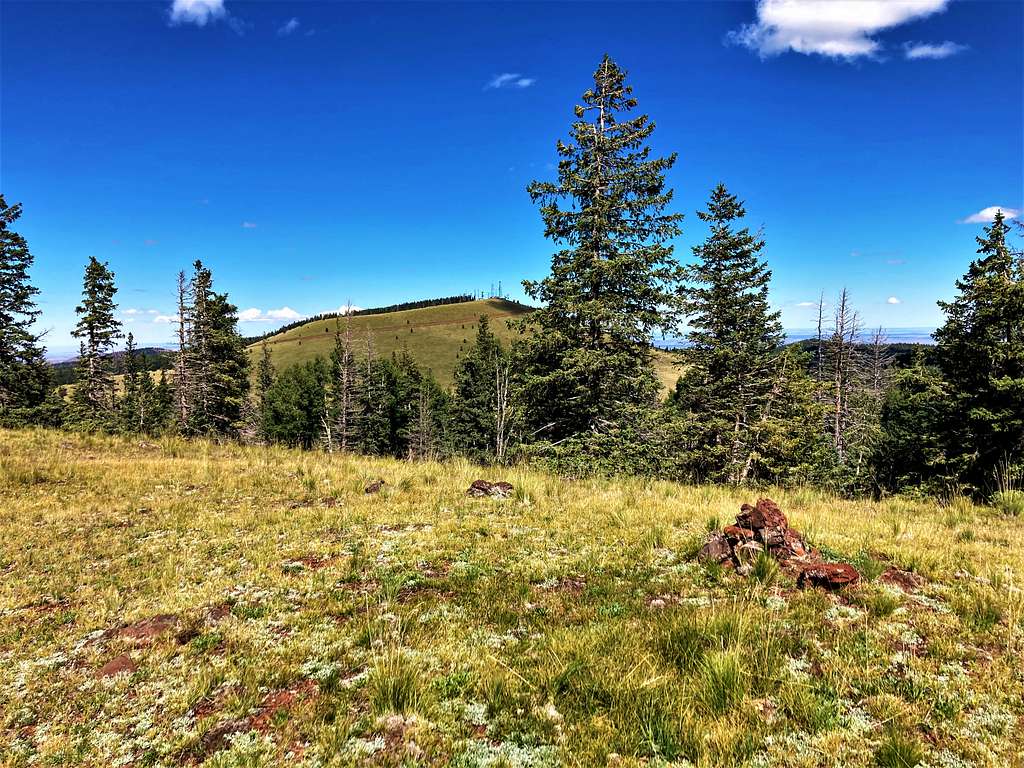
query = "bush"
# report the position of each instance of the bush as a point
(1009, 503)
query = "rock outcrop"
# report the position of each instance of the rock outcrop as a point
(483, 488)
(763, 527)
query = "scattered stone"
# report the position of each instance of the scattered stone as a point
(122, 664)
(830, 576)
(375, 486)
(483, 488)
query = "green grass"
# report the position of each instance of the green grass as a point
(314, 625)
(435, 337)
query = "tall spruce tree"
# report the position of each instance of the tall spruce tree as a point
(23, 370)
(615, 280)
(345, 412)
(218, 370)
(476, 393)
(97, 330)
(981, 355)
(730, 380)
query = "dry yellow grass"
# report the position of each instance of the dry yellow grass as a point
(306, 622)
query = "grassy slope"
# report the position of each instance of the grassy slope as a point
(566, 625)
(434, 336)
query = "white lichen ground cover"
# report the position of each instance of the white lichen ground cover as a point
(264, 611)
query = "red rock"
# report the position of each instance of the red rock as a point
(765, 514)
(117, 666)
(734, 532)
(716, 550)
(830, 576)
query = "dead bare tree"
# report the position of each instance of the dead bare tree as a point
(502, 405)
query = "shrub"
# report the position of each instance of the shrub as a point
(1009, 503)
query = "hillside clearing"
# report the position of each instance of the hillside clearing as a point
(175, 603)
(434, 336)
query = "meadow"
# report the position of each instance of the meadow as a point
(435, 337)
(165, 602)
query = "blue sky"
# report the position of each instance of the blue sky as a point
(318, 153)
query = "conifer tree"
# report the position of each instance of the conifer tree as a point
(132, 405)
(218, 370)
(345, 408)
(981, 355)
(614, 281)
(23, 371)
(730, 381)
(97, 329)
(264, 381)
(476, 404)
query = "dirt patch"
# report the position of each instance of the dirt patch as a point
(147, 630)
(905, 580)
(119, 665)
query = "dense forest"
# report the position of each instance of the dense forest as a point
(577, 390)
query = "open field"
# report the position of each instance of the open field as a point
(434, 336)
(263, 610)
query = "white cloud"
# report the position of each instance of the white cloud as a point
(932, 50)
(198, 12)
(165, 319)
(893, 300)
(131, 311)
(288, 27)
(343, 310)
(807, 303)
(510, 80)
(255, 315)
(986, 215)
(248, 225)
(841, 29)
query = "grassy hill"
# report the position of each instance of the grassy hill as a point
(176, 603)
(434, 336)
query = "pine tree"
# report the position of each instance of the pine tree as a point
(218, 369)
(264, 381)
(97, 329)
(615, 280)
(132, 405)
(23, 371)
(345, 409)
(476, 405)
(981, 355)
(730, 380)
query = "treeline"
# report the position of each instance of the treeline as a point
(148, 359)
(421, 304)
(577, 389)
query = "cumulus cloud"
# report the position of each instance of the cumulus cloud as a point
(255, 315)
(942, 50)
(198, 12)
(893, 300)
(510, 80)
(344, 309)
(165, 319)
(841, 29)
(986, 215)
(135, 312)
(248, 225)
(288, 27)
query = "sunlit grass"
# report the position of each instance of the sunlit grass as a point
(570, 624)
